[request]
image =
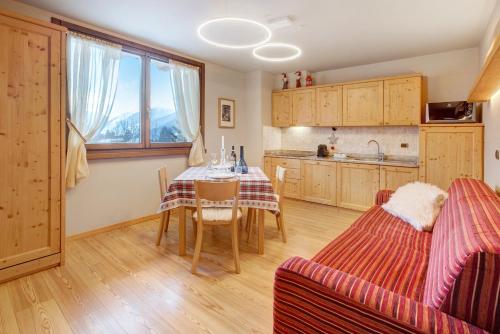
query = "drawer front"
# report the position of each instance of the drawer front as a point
(286, 163)
(293, 173)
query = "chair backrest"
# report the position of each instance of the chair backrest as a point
(280, 180)
(463, 275)
(217, 192)
(163, 181)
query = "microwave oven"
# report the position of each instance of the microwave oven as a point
(452, 112)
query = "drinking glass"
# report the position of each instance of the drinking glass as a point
(213, 160)
(238, 169)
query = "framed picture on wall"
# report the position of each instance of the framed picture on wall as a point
(227, 110)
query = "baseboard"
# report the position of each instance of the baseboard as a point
(113, 227)
(29, 267)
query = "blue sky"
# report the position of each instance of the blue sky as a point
(127, 98)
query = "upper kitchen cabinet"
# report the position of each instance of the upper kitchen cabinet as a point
(363, 104)
(282, 109)
(329, 106)
(304, 107)
(403, 101)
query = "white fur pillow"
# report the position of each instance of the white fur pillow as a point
(417, 204)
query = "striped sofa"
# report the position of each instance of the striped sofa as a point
(383, 276)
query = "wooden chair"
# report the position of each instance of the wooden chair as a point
(280, 222)
(165, 216)
(217, 191)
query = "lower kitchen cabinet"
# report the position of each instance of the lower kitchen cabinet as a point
(347, 185)
(292, 188)
(357, 185)
(319, 181)
(268, 168)
(449, 152)
(392, 178)
(292, 178)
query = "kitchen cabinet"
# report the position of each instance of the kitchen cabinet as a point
(292, 178)
(32, 144)
(403, 101)
(281, 109)
(450, 152)
(304, 107)
(392, 177)
(268, 169)
(397, 100)
(329, 106)
(363, 103)
(357, 185)
(319, 181)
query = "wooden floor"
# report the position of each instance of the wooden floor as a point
(120, 282)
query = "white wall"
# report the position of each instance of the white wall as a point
(491, 109)
(123, 189)
(450, 76)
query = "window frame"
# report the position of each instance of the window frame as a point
(145, 148)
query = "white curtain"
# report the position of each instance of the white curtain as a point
(92, 79)
(186, 92)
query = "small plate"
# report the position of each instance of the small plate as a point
(221, 175)
(225, 166)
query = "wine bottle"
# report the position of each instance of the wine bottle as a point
(233, 158)
(242, 162)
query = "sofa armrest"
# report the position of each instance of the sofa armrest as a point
(383, 196)
(312, 298)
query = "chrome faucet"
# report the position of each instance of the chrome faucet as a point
(380, 156)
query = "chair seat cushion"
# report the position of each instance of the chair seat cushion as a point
(217, 214)
(383, 250)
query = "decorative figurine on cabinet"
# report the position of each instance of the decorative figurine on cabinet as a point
(309, 81)
(297, 81)
(284, 78)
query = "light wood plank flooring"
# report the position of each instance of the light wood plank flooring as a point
(120, 282)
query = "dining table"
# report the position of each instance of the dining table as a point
(256, 192)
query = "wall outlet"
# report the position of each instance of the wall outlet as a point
(404, 145)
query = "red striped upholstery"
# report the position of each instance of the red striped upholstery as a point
(383, 196)
(313, 298)
(463, 278)
(383, 276)
(383, 250)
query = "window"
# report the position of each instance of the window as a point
(124, 123)
(163, 121)
(143, 120)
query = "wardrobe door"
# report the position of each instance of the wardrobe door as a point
(30, 142)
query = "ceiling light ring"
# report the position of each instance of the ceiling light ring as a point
(234, 19)
(298, 52)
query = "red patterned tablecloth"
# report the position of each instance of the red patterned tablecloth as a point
(256, 190)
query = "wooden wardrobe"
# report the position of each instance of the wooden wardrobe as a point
(32, 150)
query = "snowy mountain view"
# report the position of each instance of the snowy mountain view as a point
(125, 128)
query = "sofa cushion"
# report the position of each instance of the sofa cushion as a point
(417, 203)
(381, 249)
(463, 278)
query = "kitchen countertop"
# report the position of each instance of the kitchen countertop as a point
(369, 159)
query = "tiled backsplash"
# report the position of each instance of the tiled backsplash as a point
(272, 138)
(350, 139)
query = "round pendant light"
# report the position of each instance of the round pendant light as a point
(234, 33)
(277, 52)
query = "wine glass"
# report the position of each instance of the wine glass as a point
(213, 160)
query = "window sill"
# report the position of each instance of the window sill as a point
(137, 152)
